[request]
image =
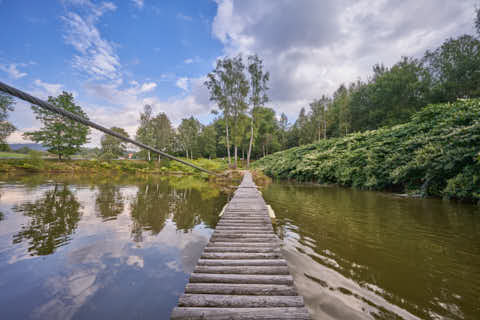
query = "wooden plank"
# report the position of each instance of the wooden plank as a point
(240, 255)
(240, 278)
(242, 249)
(239, 227)
(244, 244)
(241, 289)
(246, 240)
(240, 313)
(242, 262)
(245, 235)
(222, 246)
(240, 232)
(238, 301)
(242, 269)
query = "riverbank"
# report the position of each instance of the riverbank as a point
(436, 153)
(38, 165)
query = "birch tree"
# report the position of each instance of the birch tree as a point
(258, 95)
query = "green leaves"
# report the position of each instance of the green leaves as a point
(438, 152)
(61, 136)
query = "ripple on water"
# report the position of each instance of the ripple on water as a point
(367, 254)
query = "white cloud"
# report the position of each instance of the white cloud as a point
(126, 104)
(95, 55)
(311, 47)
(51, 89)
(192, 60)
(12, 70)
(148, 86)
(181, 16)
(17, 136)
(138, 3)
(182, 83)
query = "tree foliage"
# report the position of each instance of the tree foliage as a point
(113, 148)
(435, 153)
(229, 87)
(6, 128)
(62, 136)
(455, 69)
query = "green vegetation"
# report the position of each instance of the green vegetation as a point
(6, 128)
(11, 155)
(436, 153)
(60, 135)
(112, 147)
(37, 164)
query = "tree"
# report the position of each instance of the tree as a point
(267, 130)
(145, 132)
(207, 141)
(455, 69)
(303, 128)
(220, 85)
(283, 130)
(188, 132)
(6, 128)
(239, 99)
(62, 136)
(477, 20)
(163, 133)
(112, 147)
(229, 87)
(318, 110)
(258, 96)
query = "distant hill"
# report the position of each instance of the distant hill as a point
(33, 146)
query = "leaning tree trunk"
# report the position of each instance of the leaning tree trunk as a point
(250, 145)
(228, 144)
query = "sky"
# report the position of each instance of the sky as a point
(117, 56)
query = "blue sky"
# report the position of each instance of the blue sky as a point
(117, 56)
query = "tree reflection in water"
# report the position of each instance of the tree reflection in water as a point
(149, 209)
(187, 201)
(110, 201)
(54, 217)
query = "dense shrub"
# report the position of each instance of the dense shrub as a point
(436, 153)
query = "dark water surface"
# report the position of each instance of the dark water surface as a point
(364, 255)
(123, 247)
(100, 247)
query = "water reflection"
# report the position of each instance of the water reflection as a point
(101, 247)
(109, 202)
(366, 254)
(54, 217)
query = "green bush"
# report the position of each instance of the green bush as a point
(435, 154)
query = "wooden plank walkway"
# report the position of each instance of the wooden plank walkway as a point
(242, 274)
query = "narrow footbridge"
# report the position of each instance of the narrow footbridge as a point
(241, 273)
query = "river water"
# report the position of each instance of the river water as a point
(123, 247)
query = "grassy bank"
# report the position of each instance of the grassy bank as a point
(10, 155)
(39, 165)
(437, 153)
